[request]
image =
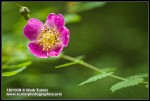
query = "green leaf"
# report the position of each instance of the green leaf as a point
(27, 63)
(142, 75)
(126, 83)
(85, 6)
(81, 57)
(72, 18)
(94, 78)
(68, 64)
(13, 72)
(71, 63)
(24, 64)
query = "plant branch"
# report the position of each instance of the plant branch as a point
(92, 67)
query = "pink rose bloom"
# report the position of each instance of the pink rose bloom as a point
(47, 39)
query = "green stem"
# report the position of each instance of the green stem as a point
(92, 67)
(18, 5)
(117, 77)
(82, 63)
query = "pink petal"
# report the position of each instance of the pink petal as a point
(37, 50)
(56, 51)
(55, 21)
(32, 28)
(64, 35)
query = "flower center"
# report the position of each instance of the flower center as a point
(48, 38)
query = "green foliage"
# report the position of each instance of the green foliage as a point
(21, 67)
(146, 86)
(79, 59)
(27, 63)
(5, 58)
(68, 64)
(13, 72)
(71, 18)
(94, 78)
(13, 56)
(142, 75)
(126, 83)
(44, 12)
(78, 7)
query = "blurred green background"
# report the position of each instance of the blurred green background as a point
(108, 34)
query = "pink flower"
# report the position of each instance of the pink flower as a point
(47, 39)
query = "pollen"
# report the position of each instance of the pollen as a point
(48, 38)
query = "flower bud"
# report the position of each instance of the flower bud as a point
(24, 10)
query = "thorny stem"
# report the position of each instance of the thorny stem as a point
(93, 67)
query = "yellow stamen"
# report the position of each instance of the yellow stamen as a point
(48, 38)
